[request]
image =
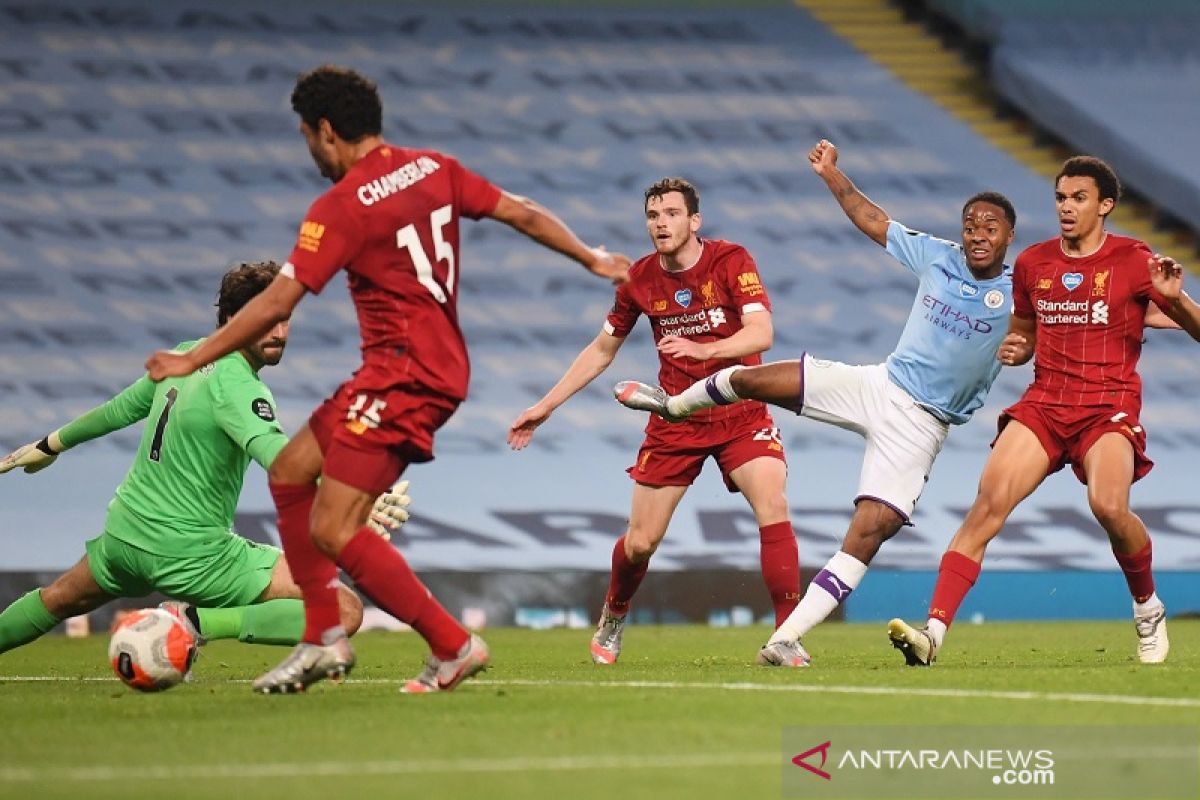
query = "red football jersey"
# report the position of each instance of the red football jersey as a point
(392, 223)
(703, 303)
(1090, 314)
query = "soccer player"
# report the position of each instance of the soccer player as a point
(392, 221)
(1080, 304)
(938, 375)
(169, 527)
(707, 309)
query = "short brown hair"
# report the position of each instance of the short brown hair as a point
(691, 197)
(241, 284)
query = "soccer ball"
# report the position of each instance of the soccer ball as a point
(150, 650)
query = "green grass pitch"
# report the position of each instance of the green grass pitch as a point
(684, 714)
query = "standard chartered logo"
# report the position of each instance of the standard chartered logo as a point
(1100, 313)
(716, 316)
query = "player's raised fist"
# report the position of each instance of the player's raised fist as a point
(823, 156)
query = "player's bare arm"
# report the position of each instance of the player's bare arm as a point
(540, 224)
(866, 216)
(1017, 347)
(270, 307)
(590, 362)
(1166, 275)
(756, 336)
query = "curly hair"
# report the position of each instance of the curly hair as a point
(1096, 169)
(349, 100)
(691, 197)
(240, 285)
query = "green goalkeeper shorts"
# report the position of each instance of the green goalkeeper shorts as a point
(235, 573)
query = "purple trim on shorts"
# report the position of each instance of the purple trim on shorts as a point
(903, 516)
(831, 583)
(800, 400)
(710, 385)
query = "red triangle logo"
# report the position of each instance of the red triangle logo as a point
(823, 749)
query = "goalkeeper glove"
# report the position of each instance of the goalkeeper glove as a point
(390, 510)
(34, 457)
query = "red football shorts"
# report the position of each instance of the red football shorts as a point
(372, 428)
(674, 453)
(1068, 432)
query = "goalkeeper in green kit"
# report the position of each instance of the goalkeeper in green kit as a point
(169, 526)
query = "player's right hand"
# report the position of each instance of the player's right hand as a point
(1014, 350)
(30, 456)
(614, 266)
(521, 431)
(169, 364)
(823, 156)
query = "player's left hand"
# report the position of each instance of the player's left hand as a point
(169, 364)
(679, 347)
(29, 456)
(390, 510)
(1166, 275)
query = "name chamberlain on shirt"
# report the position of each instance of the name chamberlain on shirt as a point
(397, 180)
(1052, 313)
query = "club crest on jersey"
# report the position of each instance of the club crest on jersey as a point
(708, 293)
(1099, 281)
(994, 298)
(684, 297)
(1072, 280)
(968, 289)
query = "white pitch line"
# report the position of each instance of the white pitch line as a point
(891, 691)
(145, 771)
(747, 686)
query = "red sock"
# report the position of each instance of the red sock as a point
(956, 576)
(383, 575)
(312, 570)
(780, 560)
(626, 578)
(1138, 574)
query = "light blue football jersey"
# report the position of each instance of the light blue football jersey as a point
(946, 356)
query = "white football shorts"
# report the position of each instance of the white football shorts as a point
(903, 439)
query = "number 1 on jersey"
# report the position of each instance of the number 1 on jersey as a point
(161, 428)
(408, 238)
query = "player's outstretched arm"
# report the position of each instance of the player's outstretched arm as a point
(590, 362)
(268, 308)
(540, 224)
(866, 216)
(1166, 275)
(130, 405)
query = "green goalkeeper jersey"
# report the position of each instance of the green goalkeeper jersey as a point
(200, 435)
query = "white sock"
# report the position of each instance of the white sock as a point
(1152, 604)
(833, 584)
(715, 390)
(937, 631)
